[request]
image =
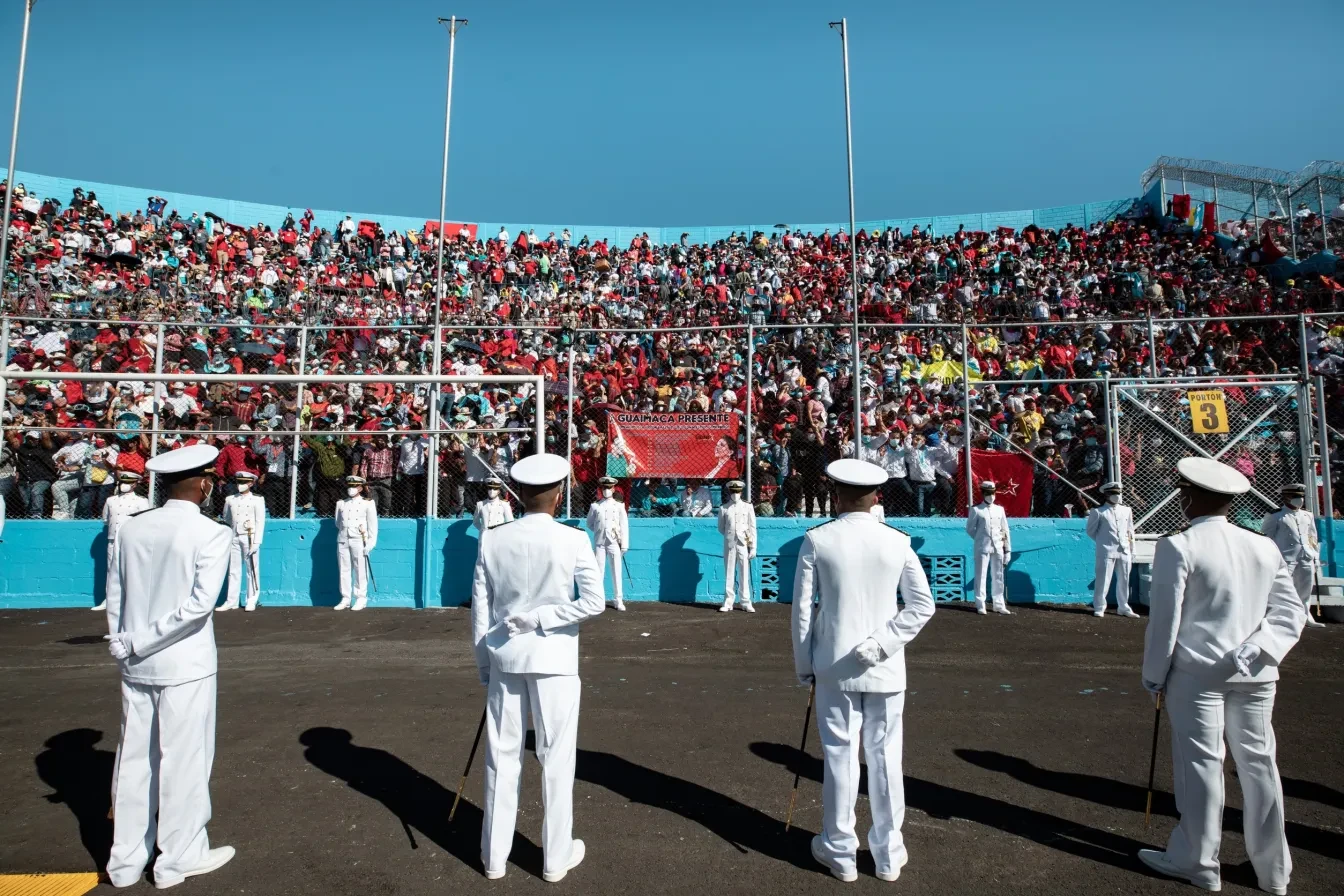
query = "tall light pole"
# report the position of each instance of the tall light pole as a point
(432, 487)
(853, 243)
(13, 150)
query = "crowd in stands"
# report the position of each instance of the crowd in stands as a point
(650, 327)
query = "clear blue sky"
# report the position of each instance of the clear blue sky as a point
(668, 113)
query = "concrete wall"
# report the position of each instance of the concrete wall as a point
(61, 564)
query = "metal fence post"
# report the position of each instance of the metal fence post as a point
(1327, 490)
(1112, 427)
(298, 425)
(4, 362)
(1325, 220)
(569, 441)
(966, 409)
(432, 457)
(1152, 346)
(154, 424)
(1255, 210)
(1303, 357)
(1216, 206)
(746, 455)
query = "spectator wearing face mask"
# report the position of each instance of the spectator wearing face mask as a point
(608, 523)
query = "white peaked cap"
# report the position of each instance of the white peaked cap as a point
(540, 469)
(183, 460)
(856, 472)
(1212, 476)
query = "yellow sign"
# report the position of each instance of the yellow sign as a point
(1208, 411)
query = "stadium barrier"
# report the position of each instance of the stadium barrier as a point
(671, 460)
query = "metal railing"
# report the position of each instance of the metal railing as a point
(782, 469)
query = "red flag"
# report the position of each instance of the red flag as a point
(1011, 471)
(1180, 206)
(1210, 217)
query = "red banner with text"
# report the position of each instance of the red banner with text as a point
(695, 446)
(1012, 473)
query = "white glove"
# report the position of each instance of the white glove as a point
(119, 645)
(1154, 689)
(371, 546)
(518, 625)
(483, 673)
(1243, 656)
(807, 680)
(869, 653)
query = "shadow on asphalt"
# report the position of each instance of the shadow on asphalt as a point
(1123, 795)
(80, 776)
(941, 801)
(418, 801)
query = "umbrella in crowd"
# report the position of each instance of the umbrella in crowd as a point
(256, 348)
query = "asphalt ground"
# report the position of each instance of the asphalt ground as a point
(341, 738)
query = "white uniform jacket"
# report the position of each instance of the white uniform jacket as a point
(492, 512)
(533, 564)
(854, 566)
(118, 508)
(609, 524)
(167, 572)
(1294, 531)
(356, 515)
(988, 525)
(1111, 526)
(1216, 587)
(737, 524)
(239, 510)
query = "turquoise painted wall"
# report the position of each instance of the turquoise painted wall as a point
(117, 198)
(61, 564)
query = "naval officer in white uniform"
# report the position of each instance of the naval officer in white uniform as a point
(116, 510)
(356, 537)
(1294, 531)
(610, 526)
(525, 630)
(1223, 615)
(245, 515)
(852, 646)
(494, 510)
(737, 525)
(987, 524)
(1111, 526)
(168, 567)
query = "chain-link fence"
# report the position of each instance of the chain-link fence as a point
(672, 414)
(1254, 426)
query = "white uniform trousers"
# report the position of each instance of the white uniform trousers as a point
(1105, 566)
(163, 767)
(736, 560)
(1201, 715)
(612, 550)
(1304, 577)
(239, 567)
(844, 719)
(351, 561)
(553, 701)
(989, 566)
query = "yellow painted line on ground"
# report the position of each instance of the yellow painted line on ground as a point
(47, 884)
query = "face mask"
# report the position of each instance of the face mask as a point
(352, 492)
(1296, 503)
(125, 488)
(209, 490)
(1112, 499)
(1185, 505)
(492, 492)
(244, 488)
